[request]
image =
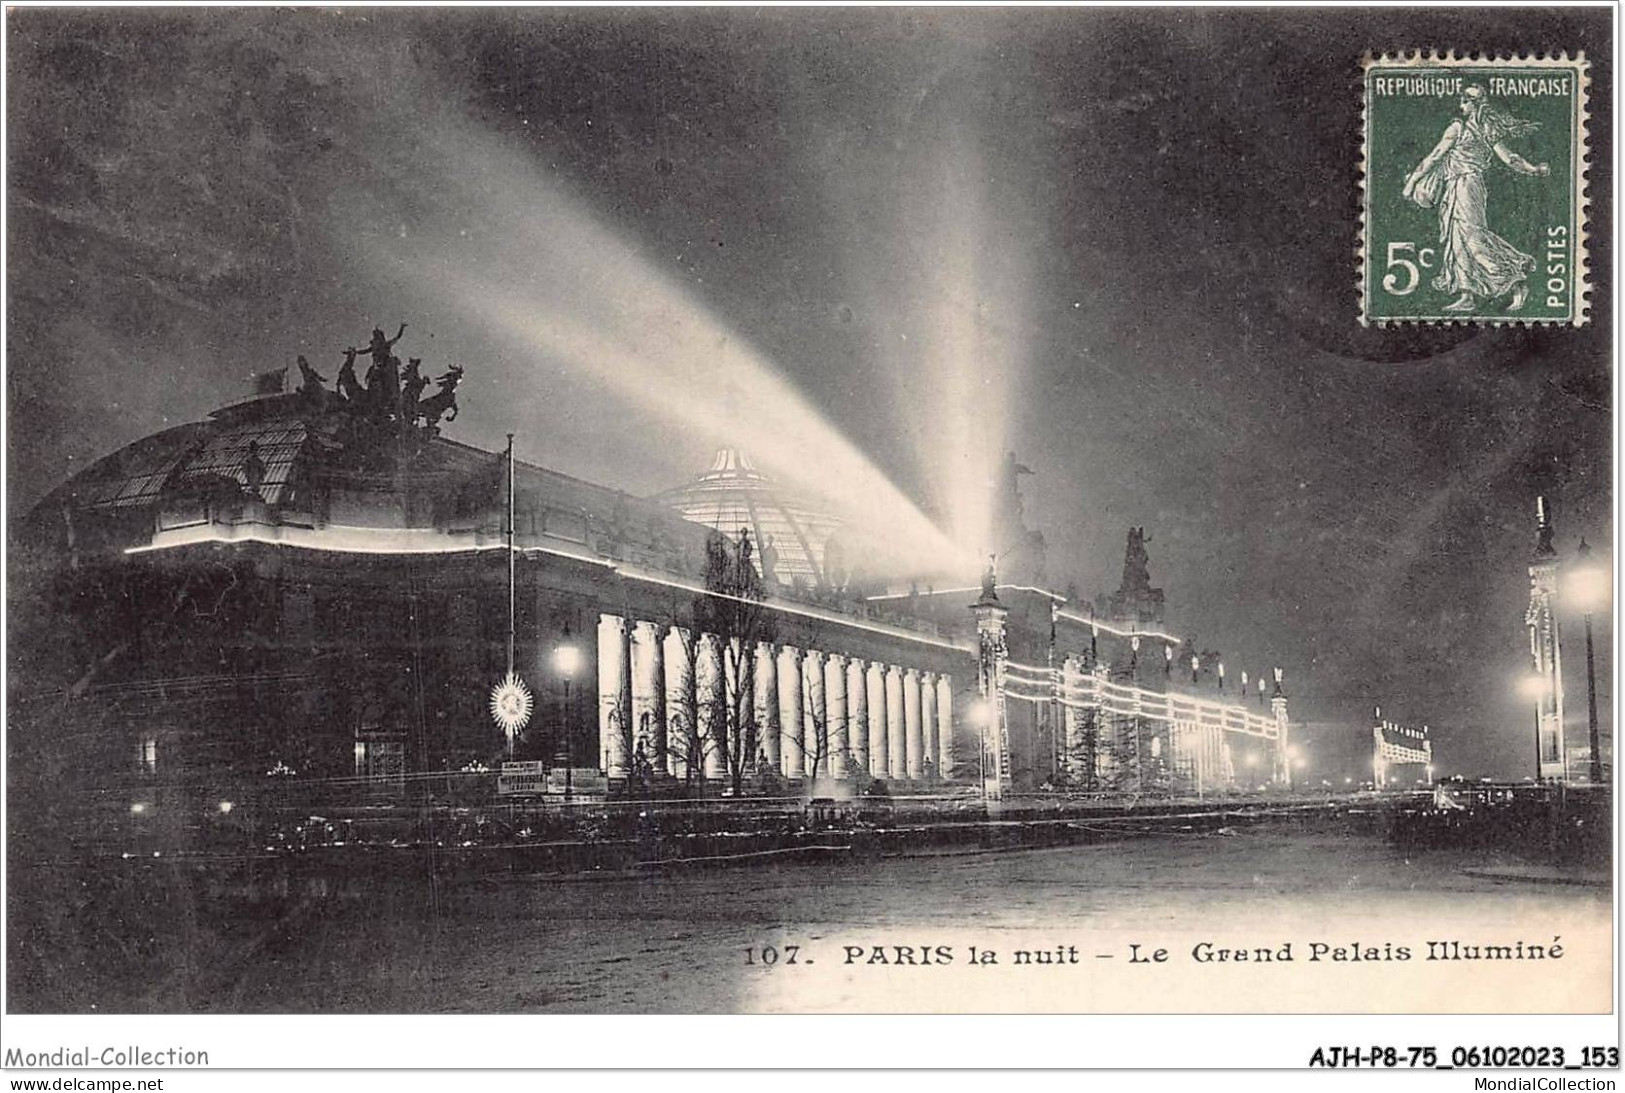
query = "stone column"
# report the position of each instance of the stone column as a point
(713, 713)
(913, 738)
(1283, 736)
(835, 713)
(896, 733)
(791, 730)
(875, 687)
(613, 755)
(649, 693)
(945, 727)
(815, 735)
(857, 712)
(767, 701)
(681, 704)
(931, 748)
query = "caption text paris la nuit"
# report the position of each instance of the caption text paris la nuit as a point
(1141, 953)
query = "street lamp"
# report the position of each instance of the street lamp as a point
(1588, 589)
(1533, 687)
(567, 662)
(980, 714)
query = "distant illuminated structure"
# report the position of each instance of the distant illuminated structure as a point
(1283, 746)
(1395, 746)
(1545, 650)
(798, 544)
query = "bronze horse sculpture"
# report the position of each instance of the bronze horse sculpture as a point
(443, 401)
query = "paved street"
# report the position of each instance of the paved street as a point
(694, 942)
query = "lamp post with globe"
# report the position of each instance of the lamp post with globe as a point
(1588, 590)
(567, 661)
(1533, 687)
(981, 716)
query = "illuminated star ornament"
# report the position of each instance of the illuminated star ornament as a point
(511, 703)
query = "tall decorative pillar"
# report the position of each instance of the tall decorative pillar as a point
(1379, 761)
(1545, 649)
(815, 731)
(879, 754)
(649, 693)
(992, 652)
(792, 732)
(614, 707)
(857, 712)
(682, 703)
(835, 714)
(1283, 742)
(896, 731)
(945, 728)
(913, 730)
(930, 747)
(767, 701)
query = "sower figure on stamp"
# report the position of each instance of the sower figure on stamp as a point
(1473, 260)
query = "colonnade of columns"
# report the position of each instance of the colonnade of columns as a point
(816, 713)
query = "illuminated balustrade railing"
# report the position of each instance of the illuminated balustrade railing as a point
(1030, 683)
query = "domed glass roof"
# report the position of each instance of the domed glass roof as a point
(794, 540)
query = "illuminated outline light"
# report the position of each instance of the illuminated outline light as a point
(347, 540)
(390, 541)
(1398, 753)
(1090, 685)
(1098, 625)
(1031, 669)
(1126, 701)
(797, 609)
(961, 591)
(1071, 616)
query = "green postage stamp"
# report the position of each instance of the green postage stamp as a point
(1474, 178)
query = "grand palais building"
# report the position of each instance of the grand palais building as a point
(314, 588)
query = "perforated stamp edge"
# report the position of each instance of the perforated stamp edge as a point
(1577, 64)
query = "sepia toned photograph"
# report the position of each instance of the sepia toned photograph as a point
(582, 510)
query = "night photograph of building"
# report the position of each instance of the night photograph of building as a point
(492, 491)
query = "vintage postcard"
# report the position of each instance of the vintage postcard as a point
(531, 512)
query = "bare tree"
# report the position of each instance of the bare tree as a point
(733, 612)
(683, 739)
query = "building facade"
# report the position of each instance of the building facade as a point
(314, 589)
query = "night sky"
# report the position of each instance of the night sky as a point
(1120, 243)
